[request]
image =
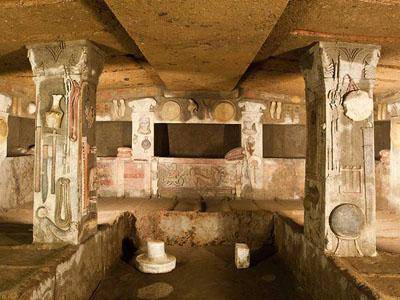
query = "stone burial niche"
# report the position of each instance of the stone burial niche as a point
(166, 146)
(184, 145)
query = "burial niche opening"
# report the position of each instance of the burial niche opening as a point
(284, 141)
(195, 140)
(112, 135)
(21, 136)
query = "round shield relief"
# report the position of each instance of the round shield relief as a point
(224, 111)
(347, 221)
(170, 111)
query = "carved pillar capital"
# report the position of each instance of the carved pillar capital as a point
(252, 107)
(145, 105)
(73, 58)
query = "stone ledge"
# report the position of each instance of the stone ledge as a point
(75, 271)
(323, 276)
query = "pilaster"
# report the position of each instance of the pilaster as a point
(252, 142)
(143, 138)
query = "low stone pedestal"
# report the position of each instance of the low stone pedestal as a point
(155, 261)
(242, 256)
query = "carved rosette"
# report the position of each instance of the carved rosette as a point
(340, 174)
(66, 76)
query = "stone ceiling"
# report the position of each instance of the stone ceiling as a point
(199, 45)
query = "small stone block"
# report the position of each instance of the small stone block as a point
(242, 256)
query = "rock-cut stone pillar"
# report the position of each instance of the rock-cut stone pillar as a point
(252, 143)
(339, 205)
(66, 76)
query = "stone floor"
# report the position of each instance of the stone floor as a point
(202, 273)
(18, 257)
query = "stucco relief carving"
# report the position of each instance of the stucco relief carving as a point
(193, 108)
(142, 127)
(252, 171)
(90, 115)
(195, 176)
(170, 111)
(340, 160)
(118, 109)
(197, 110)
(65, 115)
(224, 111)
(275, 110)
(347, 222)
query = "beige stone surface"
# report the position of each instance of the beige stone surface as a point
(60, 272)
(236, 37)
(16, 181)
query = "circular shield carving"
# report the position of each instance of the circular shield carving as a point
(224, 111)
(358, 105)
(170, 111)
(347, 221)
(3, 130)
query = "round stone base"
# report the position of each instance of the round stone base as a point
(155, 266)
